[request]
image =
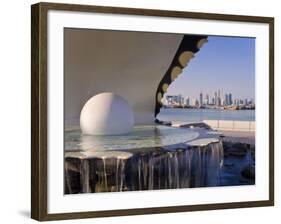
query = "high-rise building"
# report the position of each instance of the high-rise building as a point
(219, 98)
(178, 100)
(251, 102)
(226, 99)
(216, 98)
(207, 99)
(201, 99)
(187, 101)
(213, 101)
(174, 100)
(196, 103)
(230, 99)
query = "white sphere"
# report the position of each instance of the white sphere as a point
(106, 114)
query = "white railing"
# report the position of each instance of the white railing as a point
(231, 125)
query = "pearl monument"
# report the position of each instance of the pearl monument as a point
(106, 114)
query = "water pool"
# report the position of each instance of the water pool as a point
(145, 136)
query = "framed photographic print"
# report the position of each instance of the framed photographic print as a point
(138, 111)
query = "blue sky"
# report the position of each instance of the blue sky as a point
(225, 63)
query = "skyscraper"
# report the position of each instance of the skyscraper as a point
(213, 101)
(226, 99)
(201, 99)
(187, 101)
(179, 100)
(207, 99)
(230, 99)
(216, 98)
(196, 103)
(219, 98)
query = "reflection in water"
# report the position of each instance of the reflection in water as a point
(150, 158)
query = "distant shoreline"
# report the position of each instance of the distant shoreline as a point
(208, 108)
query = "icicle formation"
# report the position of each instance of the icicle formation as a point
(158, 168)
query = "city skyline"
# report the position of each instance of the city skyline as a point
(217, 98)
(225, 63)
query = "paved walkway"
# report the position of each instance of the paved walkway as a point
(239, 136)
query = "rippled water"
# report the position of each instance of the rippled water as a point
(146, 136)
(198, 115)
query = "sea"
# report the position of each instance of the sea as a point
(198, 115)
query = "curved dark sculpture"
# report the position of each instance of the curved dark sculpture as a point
(189, 45)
